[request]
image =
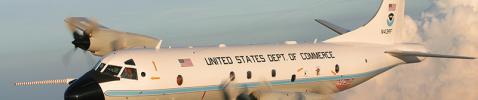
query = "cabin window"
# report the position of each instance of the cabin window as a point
(232, 76)
(179, 80)
(112, 70)
(129, 73)
(102, 65)
(273, 73)
(337, 68)
(249, 74)
(143, 74)
(130, 62)
(292, 79)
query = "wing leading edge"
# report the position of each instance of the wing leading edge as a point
(337, 29)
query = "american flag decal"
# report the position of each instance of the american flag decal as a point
(185, 62)
(392, 7)
(343, 84)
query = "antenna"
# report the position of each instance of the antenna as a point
(158, 46)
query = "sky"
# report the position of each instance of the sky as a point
(34, 38)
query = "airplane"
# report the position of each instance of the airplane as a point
(134, 66)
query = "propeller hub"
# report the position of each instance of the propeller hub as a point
(81, 41)
(84, 44)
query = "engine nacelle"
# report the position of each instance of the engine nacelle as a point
(100, 40)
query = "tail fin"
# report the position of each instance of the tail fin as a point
(383, 28)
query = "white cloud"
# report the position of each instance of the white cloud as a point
(450, 27)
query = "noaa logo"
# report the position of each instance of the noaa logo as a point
(390, 19)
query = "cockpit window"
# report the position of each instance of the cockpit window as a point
(129, 73)
(102, 65)
(130, 62)
(112, 70)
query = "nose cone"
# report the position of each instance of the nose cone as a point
(85, 88)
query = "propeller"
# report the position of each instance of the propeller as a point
(90, 59)
(82, 41)
(92, 26)
(232, 91)
(66, 59)
(82, 37)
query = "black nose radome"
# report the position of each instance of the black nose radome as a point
(84, 88)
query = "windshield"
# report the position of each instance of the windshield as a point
(100, 67)
(129, 73)
(112, 70)
(97, 65)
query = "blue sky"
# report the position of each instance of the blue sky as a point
(34, 38)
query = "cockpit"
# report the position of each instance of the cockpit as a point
(123, 71)
(106, 70)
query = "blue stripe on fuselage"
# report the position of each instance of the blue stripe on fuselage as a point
(241, 85)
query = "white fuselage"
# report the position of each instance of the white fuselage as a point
(313, 65)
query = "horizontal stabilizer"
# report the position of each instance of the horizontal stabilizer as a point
(335, 28)
(422, 54)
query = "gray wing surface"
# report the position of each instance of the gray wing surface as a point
(422, 54)
(333, 27)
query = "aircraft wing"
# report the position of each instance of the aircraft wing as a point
(422, 54)
(333, 27)
(82, 23)
(99, 40)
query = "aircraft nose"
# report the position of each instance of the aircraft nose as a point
(84, 88)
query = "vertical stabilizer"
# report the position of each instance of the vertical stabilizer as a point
(383, 28)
